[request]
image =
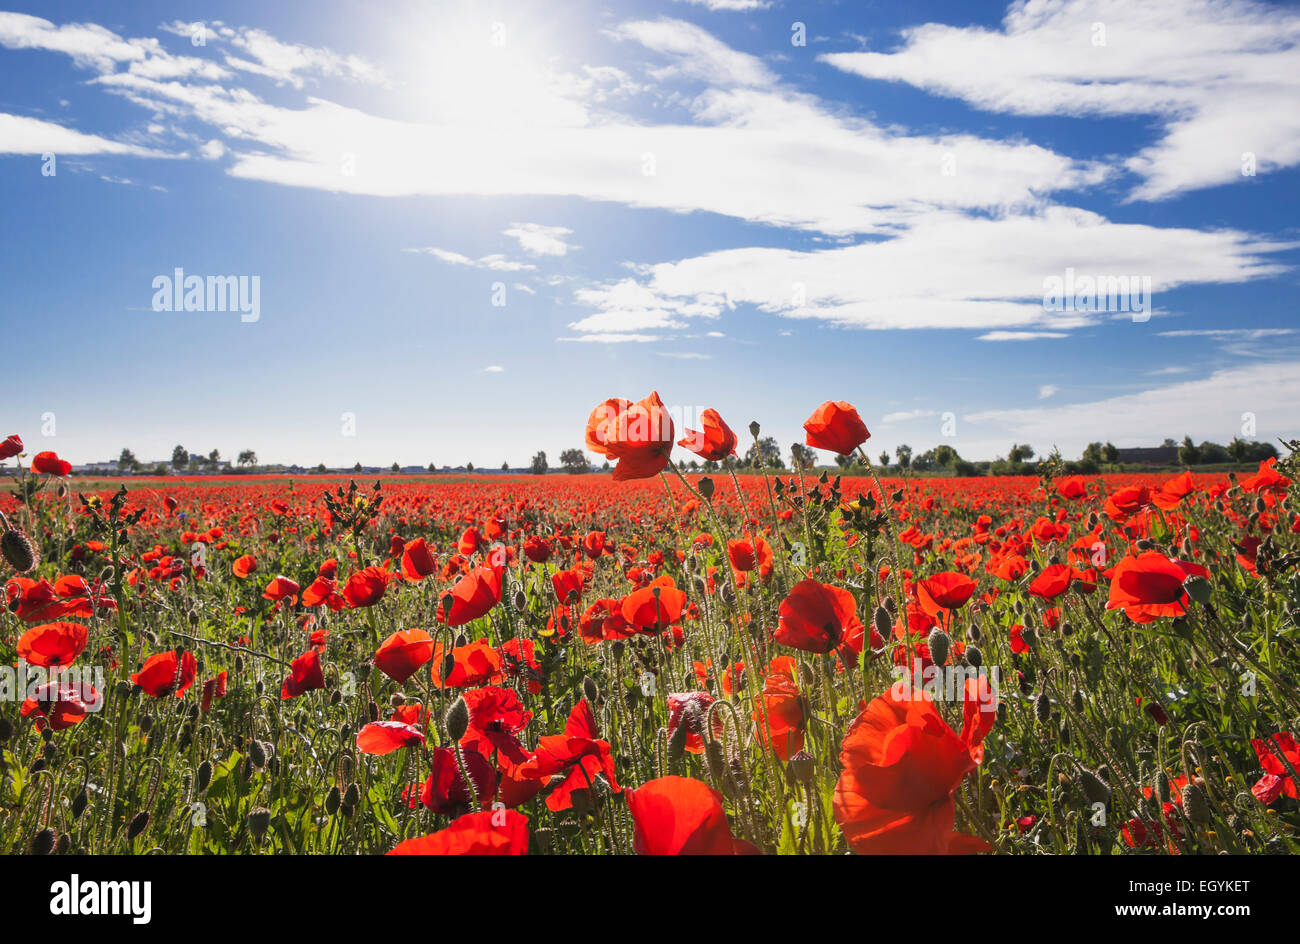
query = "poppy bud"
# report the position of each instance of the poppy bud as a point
(43, 842)
(139, 823)
(1198, 588)
(146, 724)
(1043, 707)
(332, 800)
(372, 711)
(677, 742)
(259, 819)
(1195, 804)
(1077, 700)
(521, 601)
(18, 550)
(79, 803)
(1093, 787)
(6, 729)
(754, 428)
(938, 643)
(204, 776)
(397, 700)
(882, 622)
(705, 485)
(589, 689)
(1162, 786)
(974, 658)
(257, 753)
(457, 719)
(351, 797)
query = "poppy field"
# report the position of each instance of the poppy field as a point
(652, 661)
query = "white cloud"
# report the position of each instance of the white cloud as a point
(1243, 334)
(1210, 408)
(905, 415)
(540, 240)
(22, 135)
(493, 369)
(685, 355)
(946, 271)
(696, 53)
(494, 261)
(614, 338)
(736, 6)
(1223, 76)
(1047, 390)
(212, 150)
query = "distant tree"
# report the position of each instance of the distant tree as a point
(357, 467)
(945, 455)
(574, 461)
(1188, 454)
(1092, 453)
(539, 465)
(1238, 449)
(469, 467)
(127, 462)
(432, 468)
(247, 458)
(884, 459)
(904, 454)
(1212, 452)
(1020, 453)
(765, 453)
(1168, 444)
(180, 458)
(605, 465)
(801, 457)
(505, 465)
(1109, 454)
(161, 469)
(848, 462)
(214, 459)
(395, 467)
(320, 469)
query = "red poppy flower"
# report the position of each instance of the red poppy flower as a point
(715, 442)
(213, 688)
(61, 704)
(568, 584)
(243, 566)
(1277, 779)
(446, 792)
(417, 561)
(167, 674)
(1052, 582)
(638, 435)
(365, 587)
(603, 620)
(12, 446)
(304, 675)
(573, 760)
(48, 463)
(475, 594)
(681, 816)
(943, 592)
(902, 764)
(401, 654)
(1150, 586)
(280, 588)
(384, 737)
(691, 709)
(496, 719)
(1072, 487)
(836, 426)
(472, 664)
(492, 832)
(537, 550)
(654, 607)
(816, 617)
(782, 707)
(53, 644)
(323, 590)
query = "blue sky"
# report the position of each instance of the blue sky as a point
(671, 196)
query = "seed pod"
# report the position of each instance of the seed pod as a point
(705, 485)
(351, 797)
(204, 776)
(883, 621)
(397, 700)
(63, 845)
(520, 601)
(1077, 701)
(1195, 804)
(938, 643)
(332, 800)
(1043, 707)
(801, 767)
(589, 689)
(43, 842)
(79, 803)
(139, 823)
(372, 711)
(457, 719)
(257, 753)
